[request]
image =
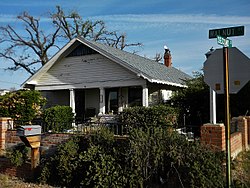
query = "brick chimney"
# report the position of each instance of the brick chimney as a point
(167, 57)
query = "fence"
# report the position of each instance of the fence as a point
(82, 126)
(214, 135)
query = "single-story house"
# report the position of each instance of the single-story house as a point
(95, 78)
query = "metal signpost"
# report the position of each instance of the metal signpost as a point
(219, 34)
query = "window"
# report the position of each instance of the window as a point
(134, 96)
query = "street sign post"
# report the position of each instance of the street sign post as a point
(226, 32)
(224, 41)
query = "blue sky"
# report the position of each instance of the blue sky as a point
(181, 25)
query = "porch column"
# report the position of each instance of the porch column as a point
(145, 96)
(102, 101)
(72, 100)
(120, 100)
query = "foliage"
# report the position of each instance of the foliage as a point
(58, 118)
(193, 101)
(241, 170)
(30, 48)
(150, 157)
(102, 169)
(83, 162)
(161, 157)
(143, 117)
(22, 105)
(59, 169)
(18, 154)
(239, 103)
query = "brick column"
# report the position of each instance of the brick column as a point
(4, 122)
(248, 128)
(243, 128)
(213, 135)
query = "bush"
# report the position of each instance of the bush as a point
(159, 157)
(60, 169)
(143, 117)
(83, 162)
(58, 118)
(150, 157)
(241, 170)
(22, 105)
(18, 154)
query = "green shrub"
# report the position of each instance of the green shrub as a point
(60, 168)
(84, 161)
(18, 154)
(159, 156)
(58, 118)
(101, 169)
(22, 105)
(149, 157)
(156, 116)
(241, 170)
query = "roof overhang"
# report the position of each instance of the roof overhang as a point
(161, 81)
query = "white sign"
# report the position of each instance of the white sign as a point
(224, 42)
(239, 70)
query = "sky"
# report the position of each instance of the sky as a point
(181, 25)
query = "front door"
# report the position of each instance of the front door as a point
(80, 103)
(111, 100)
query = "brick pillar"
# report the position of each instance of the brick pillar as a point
(248, 128)
(213, 135)
(4, 123)
(242, 124)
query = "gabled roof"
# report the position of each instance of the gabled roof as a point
(148, 69)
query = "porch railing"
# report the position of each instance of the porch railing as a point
(80, 126)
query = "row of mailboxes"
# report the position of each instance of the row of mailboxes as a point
(28, 130)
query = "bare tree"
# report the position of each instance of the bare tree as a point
(73, 25)
(29, 48)
(158, 57)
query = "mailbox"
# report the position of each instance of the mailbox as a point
(28, 130)
(31, 137)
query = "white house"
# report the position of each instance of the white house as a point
(3, 92)
(94, 78)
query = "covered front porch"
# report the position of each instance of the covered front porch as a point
(90, 102)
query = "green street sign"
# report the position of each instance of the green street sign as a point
(226, 32)
(224, 42)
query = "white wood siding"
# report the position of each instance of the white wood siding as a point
(87, 72)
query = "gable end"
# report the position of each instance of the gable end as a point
(81, 50)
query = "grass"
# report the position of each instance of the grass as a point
(12, 182)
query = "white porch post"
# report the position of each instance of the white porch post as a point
(145, 96)
(102, 101)
(72, 100)
(212, 106)
(120, 100)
